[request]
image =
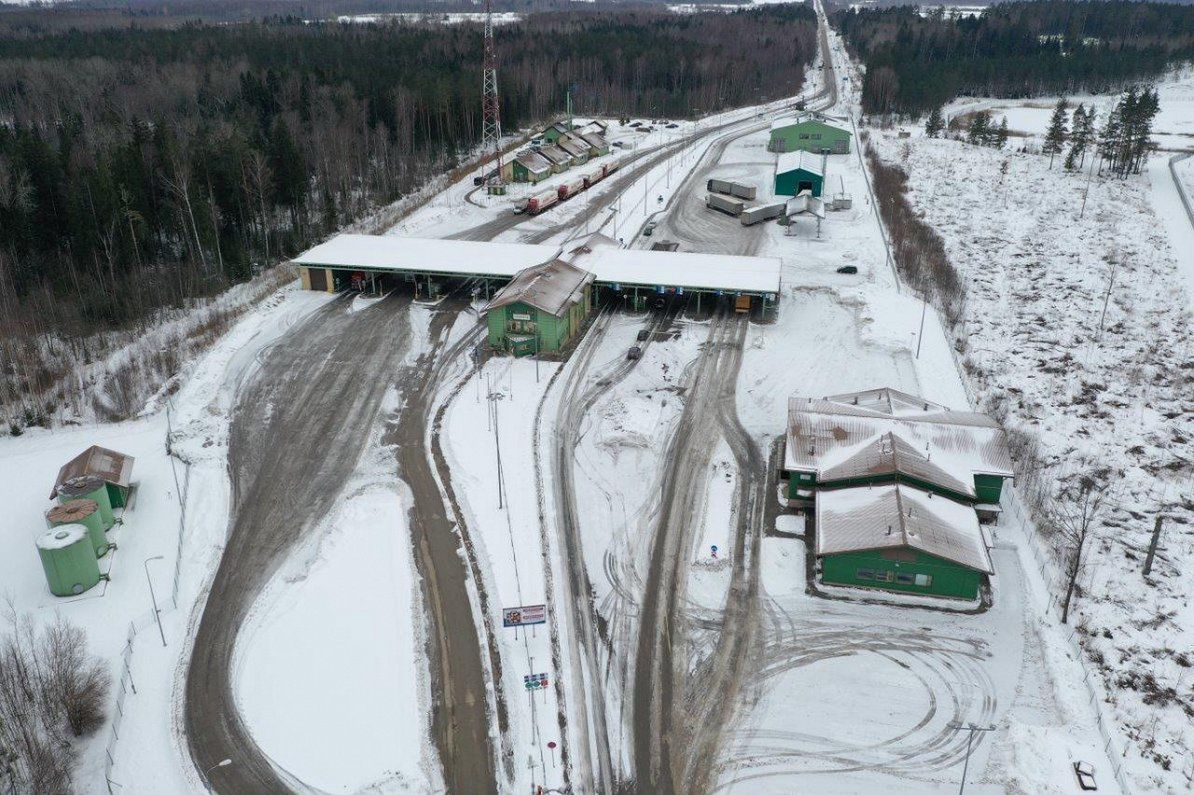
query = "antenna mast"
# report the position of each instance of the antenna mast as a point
(491, 120)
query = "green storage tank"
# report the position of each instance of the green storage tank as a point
(68, 557)
(89, 487)
(86, 513)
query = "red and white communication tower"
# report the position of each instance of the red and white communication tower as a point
(491, 118)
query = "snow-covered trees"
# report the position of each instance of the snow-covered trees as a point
(935, 123)
(1058, 131)
(1123, 139)
(982, 132)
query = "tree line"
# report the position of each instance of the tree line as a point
(139, 168)
(915, 62)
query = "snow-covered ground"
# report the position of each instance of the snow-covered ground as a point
(1097, 392)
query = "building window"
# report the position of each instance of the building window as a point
(904, 579)
(864, 574)
(924, 580)
(883, 576)
(816, 136)
(804, 136)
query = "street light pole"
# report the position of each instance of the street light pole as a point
(970, 729)
(157, 614)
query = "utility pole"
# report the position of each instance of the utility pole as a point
(1152, 546)
(157, 614)
(970, 728)
(491, 120)
(920, 335)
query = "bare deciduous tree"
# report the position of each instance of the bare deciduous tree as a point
(1072, 518)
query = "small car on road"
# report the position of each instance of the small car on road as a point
(649, 229)
(634, 353)
(848, 269)
(643, 334)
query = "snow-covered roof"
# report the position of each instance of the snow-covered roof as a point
(595, 140)
(551, 287)
(596, 125)
(108, 465)
(534, 162)
(629, 266)
(790, 161)
(573, 145)
(425, 255)
(845, 433)
(892, 454)
(62, 536)
(791, 121)
(555, 154)
(605, 260)
(891, 516)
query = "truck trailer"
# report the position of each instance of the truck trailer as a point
(728, 188)
(541, 201)
(725, 204)
(760, 213)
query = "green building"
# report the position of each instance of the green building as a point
(851, 449)
(810, 135)
(541, 309)
(555, 131)
(529, 167)
(576, 147)
(559, 159)
(900, 538)
(796, 172)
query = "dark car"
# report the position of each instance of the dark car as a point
(478, 181)
(643, 334)
(649, 229)
(848, 269)
(634, 353)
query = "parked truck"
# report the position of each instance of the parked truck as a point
(725, 204)
(760, 213)
(731, 188)
(541, 201)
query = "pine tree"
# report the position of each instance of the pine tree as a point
(977, 134)
(997, 136)
(935, 123)
(1071, 159)
(1055, 138)
(1108, 139)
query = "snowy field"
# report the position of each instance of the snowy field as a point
(1096, 391)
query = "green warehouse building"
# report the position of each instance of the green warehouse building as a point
(917, 470)
(808, 134)
(527, 167)
(541, 309)
(796, 172)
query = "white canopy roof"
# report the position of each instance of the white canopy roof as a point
(790, 161)
(608, 263)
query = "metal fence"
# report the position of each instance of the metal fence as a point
(1181, 189)
(1054, 582)
(125, 684)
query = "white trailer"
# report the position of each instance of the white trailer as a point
(760, 213)
(725, 204)
(724, 186)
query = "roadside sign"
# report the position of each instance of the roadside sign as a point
(524, 616)
(534, 681)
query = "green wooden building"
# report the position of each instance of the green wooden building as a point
(808, 134)
(906, 449)
(529, 167)
(796, 172)
(555, 131)
(900, 538)
(576, 147)
(113, 468)
(541, 309)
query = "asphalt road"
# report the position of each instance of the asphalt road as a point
(298, 430)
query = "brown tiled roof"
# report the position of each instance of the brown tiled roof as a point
(108, 465)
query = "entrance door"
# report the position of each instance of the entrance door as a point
(804, 185)
(319, 279)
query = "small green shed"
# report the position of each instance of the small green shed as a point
(113, 468)
(810, 135)
(529, 167)
(541, 309)
(553, 133)
(796, 172)
(900, 538)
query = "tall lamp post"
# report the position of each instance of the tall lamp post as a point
(970, 729)
(207, 773)
(157, 614)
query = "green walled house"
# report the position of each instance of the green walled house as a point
(541, 309)
(808, 134)
(900, 538)
(113, 468)
(529, 167)
(555, 131)
(891, 450)
(796, 172)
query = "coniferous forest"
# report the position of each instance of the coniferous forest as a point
(915, 63)
(143, 166)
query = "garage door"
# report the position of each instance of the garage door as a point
(319, 278)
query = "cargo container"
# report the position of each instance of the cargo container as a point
(541, 201)
(725, 204)
(570, 188)
(763, 212)
(731, 188)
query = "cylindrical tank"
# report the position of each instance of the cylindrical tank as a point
(68, 557)
(86, 513)
(89, 487)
